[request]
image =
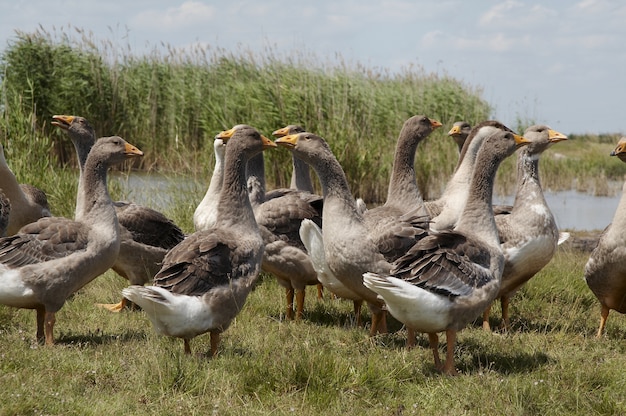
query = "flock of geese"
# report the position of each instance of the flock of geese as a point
(435, 265)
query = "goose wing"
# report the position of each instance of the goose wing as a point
(203, 261)
(447, 263)
(148, 226)
(46, 239)
(283, 216)
(395, 235)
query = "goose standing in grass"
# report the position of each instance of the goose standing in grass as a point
(279, 213)
(145, 234)
(349, 249)
(300, 179)
(48, 260)
(459, 132)
(528, 234)
(393, 227)
(28, 203)
(448, 278)
(205, 280)
(445, 210)
(205, 215)
(605, 271)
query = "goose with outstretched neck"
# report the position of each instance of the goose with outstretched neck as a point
(279, 213)
(145, 234)
(403, 194)
(349, 250)
(300, 180)
(445, 210)
(528, 233)
(205, 280)
(448, 278)
(403, 210)
(48, 260)
(605, 271)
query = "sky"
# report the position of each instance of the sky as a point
(561, 63)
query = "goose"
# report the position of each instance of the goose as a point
(605, 271)
(528, 234)
(446, 210)
(402, 219)
(28, 202)
(300, 179)
(279, 213)
(459, 132)
(48, 260)
(403, 194)
(145, 234)
(205, 215)
(349, 248)
(205, 279)
(448, 278)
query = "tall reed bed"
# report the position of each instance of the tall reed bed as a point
(171, 102)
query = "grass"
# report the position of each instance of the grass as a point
(549, 363)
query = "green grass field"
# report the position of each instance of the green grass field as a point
(549, 363)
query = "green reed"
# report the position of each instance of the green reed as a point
(171, 102)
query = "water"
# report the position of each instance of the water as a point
(576, 210)
(159, 191)
(573, 210)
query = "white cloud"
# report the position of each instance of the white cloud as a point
(187, 14)
(500, 12)
(499, 42)
(593, 6)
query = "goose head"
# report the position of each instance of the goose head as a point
(620, 150)
(541, 137)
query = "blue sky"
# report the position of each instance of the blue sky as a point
(562, 63)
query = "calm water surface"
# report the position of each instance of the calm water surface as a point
(573, 210)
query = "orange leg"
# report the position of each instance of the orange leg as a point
(299, 304)
(433, 340)
(486, 313)
(448, 367)
(50, 319)
(320, 291)
(41, 318)
(215, 342)
(289, 293)
(114, 307)
(382, 327)
(604, 315)
(506, 323)
(379, 323)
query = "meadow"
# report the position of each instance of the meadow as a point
(550, 362)
(171, 104)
